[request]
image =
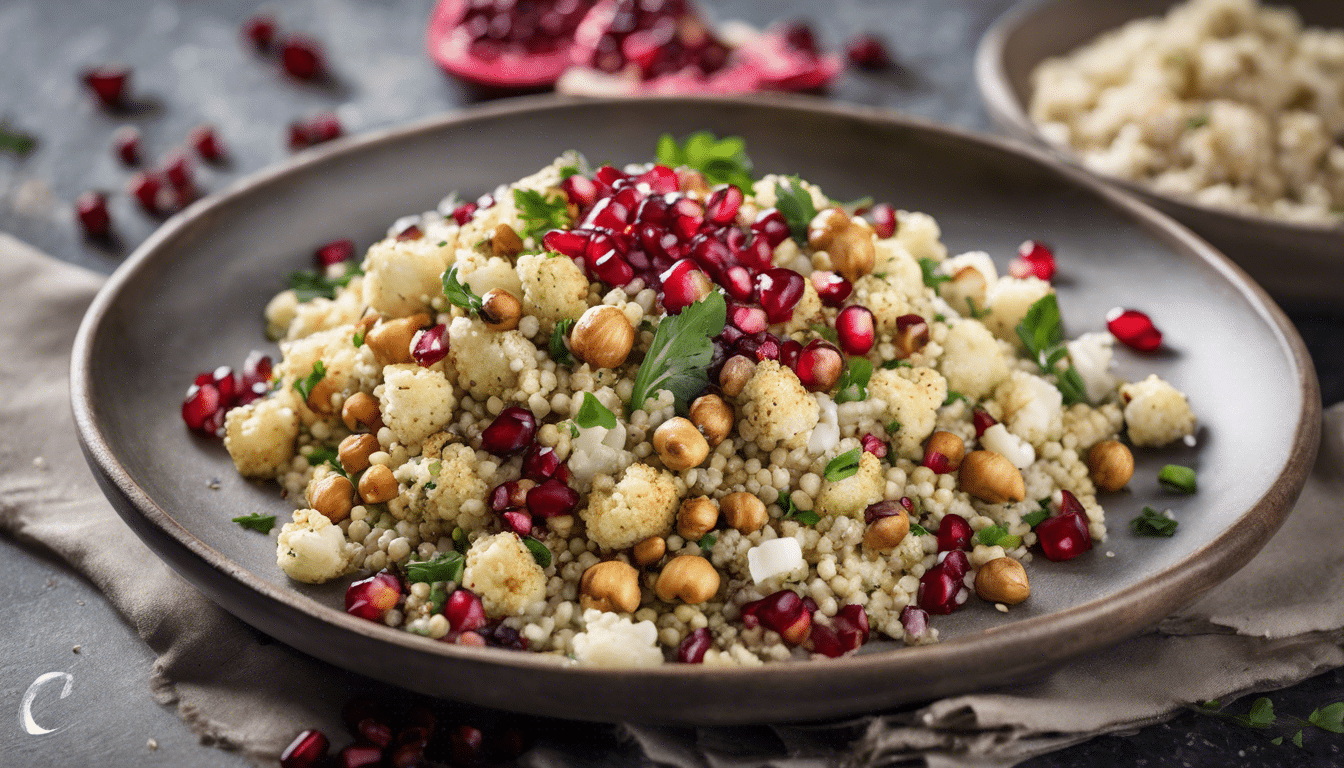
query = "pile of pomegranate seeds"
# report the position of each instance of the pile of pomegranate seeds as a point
(505, 44)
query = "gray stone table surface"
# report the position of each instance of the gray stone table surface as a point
(190, 68)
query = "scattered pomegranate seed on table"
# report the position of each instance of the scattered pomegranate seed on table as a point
(307, 750)
(207, 144)
(178, 171)
(1134, 329)
(91, 211)
(109, 84)
(868, 52)
(145, 188)
(126, 143)
(260, 31)
(302, 58)
(315, 130)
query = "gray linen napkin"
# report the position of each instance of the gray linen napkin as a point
(237, 690)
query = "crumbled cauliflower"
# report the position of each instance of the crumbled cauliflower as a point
(912, 397)
(884, 299)
(340, 358)
(280, 312)
(972, 360)
(311, 549)
(260, 436)
(488, 362)
(1092, 425)
(1009, 299)
(1031, 408)
(483, 273)
(643, 504)
(807, 311)
(852, 495)
(776, 409)
(401, 276)
(611, 640)
(1091, 355)
(503, 573)
(415, 402)
(456, 482)
(900, 269)
(999, 440)
(598, 451)
(321, 313)
(554, 289)
(977, 260)
(919, 234)
(1156, 413)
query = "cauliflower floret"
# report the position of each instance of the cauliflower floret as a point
(340, 358)
(260, 436)
(999, 440)
(310, 549)
(1092, 425)
(913, 396)
(280, 312)
(1156, 412)
(488, 362)
(1091, 354)
(1009, 299)
(764, 192)
(504, 574)
(973, 277)
(900, 268)
(776, 409)
(401, 276)
(415, 402)
(554, 289)
(598, 451)
(884, 299)
(1031, 408)
(852, 495)
(972, 360)
(320, 314)
(483, 273)
(611, 640)
(919, 234)
(643, 504)
(455, 483)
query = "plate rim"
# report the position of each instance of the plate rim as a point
(1128, 610)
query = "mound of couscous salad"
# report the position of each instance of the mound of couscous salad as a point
(673, 413)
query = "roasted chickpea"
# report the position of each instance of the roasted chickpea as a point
(319, 397)
(354, 452)
(650, 550)
(602, 337)
(690, 578)
(697, 517)
(333, 496)
(610, 586)
(500, 310)
(1002, 580)
(735, 374)
(1111, 465)
(505, 242)
(744, 512)
(991, 478)
(887, 532)
(360, 413)
(377, 485)
(947, 445)
(679, 444)
(390, 340)
(713, 417)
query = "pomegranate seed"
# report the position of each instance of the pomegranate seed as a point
(912, 334)
(227, 384)
(145, 188)
(915, 620)
(360, 756)
(334, 252)
(868, 52)
(819, 365)
(936, 461)
(856, 330)
(373, 597)
(518, 521)
(1069, 504)
(608, 176)
(940, 592)
(552, 498)
(465, 638)
(306, 750)
(580, 190)
(1034, 259)
(501, 636)
(851, 625)
(302, 58)
(724, 205)
(571, 244)
(430, 345)
(199, 408)
(463, 213)
(1134, 329)
(881, 509)
(661, 179)
(771, 225)
(874, 445)
(907, 504)
(683, 285)
(178, 171)
(799, 35)
(91, 210)
(260, 31)
(883, 216)
(780, 291)
(464, 611)
(509, 495)
(468, 744)
(540, 463)
(956, 563)
(374, 731)
(832, 288)
(126, 141)
(360, 708)
(298, 136)
(409, 232)
(982, 421)
(789, 352)
(954, 533)
(825, 641)
(324, 127)
(747, 319)
(1064, 537)
(693, 647)
(511, 431)
(207, 144)
(612, 269)
(108, 84)
(782, 612)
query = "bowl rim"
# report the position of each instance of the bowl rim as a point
(1004, 105)
(1093, 624)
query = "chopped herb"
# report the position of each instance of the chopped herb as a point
(1177, 479)
(568, 170)
(442, 243)
(707, 541)
(592, 413)
(541, 213)
(880, 275)
(459, 294)
(559, 349)
(940, 317)
(445, 566)
(795, 204)
(438, 597)
(460, 540)
(953, 396)
(853, 386)
(792, 512)
(1329, 718)
(258, 522)
(306, 384)
(893, 427)
(892, 365)
(997, 534)
(843, 466)
(826, 332)
(1070, 384)
(431, 485)
(16, 141)
(573, 429)
(721, 161)
(320, 455)
(1153, 523)
(918, 529)
(539, 551)
(929, 269)
(1035, 518)
(1261, 714)
(435, 467)
(975, 312)
(1198, 121)
(679, 357)
(647, 325)
(310, 284)
(358, 339)
(1042, 331)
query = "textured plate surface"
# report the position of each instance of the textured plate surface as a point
(191, 298)
(1294, 261)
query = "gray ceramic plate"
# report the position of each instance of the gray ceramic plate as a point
(1294, 261)
(191, 298)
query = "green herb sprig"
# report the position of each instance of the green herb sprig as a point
(257, 522)
(1042, 332)
(1261, 716)
(305, 385)
(843, 466)
(458, 294)
(310, 284)
(795, 204)
(679, 357)
(853, 385)
(559, 349)
(721, 161)
(541, 213)
(792, 512)
(1153, 523)
(445, 566)
(928, 269)
(592, 413)
(539, 551)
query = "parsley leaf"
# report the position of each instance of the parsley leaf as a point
(795, 204)
(357, 339)
(305, 385)
(918, 529)
(1261, 714)
(438, 597)
(892, 365)
(893, 427)
(1153, 523)
(843, 466)
(569, 170)
(310, 284)
(1329, 718)
(459, 294)
(853, 385)
(258, 522)
(1036, 518)
(928, 268)
(16, 141)
(997, 534)
(953, 396)
(541, 213)
(1042, 332)
(460, 540)
(592, 413)
(721, 161)
(792, 512)
(707, 541)
(319, 455)
(559, 349)
(826, 332)
(539, 551)
(678, 358)
(445, 566)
